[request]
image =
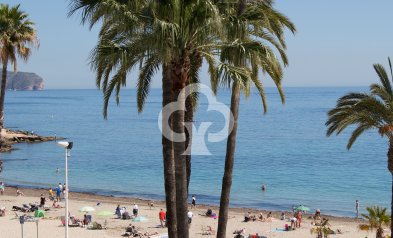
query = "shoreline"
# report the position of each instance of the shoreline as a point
(114, 199)
(50, 225)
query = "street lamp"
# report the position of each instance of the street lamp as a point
(67, 146)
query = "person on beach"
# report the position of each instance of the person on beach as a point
(117, 211)
(357, 208)
(260, 217)
(42, 200)
(18, 192)
(60, 187)
(51, 194)
(293, 222)
(55, 204)
(189, 215)
(247, 217)
(298, 216)
(282, 216)
(162, 217)
(64, 190)
(317, 218)
(2, 187)
(193, 201)
(58, 194)
(135, 210)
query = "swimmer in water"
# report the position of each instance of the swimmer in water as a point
(263, 187)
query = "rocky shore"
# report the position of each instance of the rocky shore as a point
(19, 136)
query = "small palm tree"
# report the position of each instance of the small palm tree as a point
(367, 111)
(377, 218)
(17, 35)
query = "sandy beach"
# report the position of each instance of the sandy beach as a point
(50, 226)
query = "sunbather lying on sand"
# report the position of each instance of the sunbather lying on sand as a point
(208, 231)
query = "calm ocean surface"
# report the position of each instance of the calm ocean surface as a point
(285, 149)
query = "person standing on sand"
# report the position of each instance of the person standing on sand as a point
(2, 187)
(298, 216)
(135, 210)
(193, 201)
(42, 200)
(162, 217)
(60, 187)
(58, 194)
(357, 208)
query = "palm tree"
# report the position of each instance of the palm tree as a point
(175, 35)
(377, 218)
(17, 35)
(251, 28)
(367, 111)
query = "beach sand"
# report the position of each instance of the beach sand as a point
(50, 226)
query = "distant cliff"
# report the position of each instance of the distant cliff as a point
(24, 81)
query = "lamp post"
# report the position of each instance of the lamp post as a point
(67, 146)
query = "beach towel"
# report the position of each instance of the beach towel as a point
(164, 235)
(39, 213)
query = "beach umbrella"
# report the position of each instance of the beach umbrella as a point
(87, 209)
(302, 208)
(140, 219)
(105, 214)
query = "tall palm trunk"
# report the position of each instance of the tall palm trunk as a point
(229, 161)
(2, 97)
(390, 167)
(180, 69)
(188, 117)
(168, 156)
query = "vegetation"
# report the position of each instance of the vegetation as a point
(367, 111)
(251, 27)
(322, 230)
(176, 36)
(17, 36)
(377, 219)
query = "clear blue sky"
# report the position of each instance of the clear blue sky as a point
(336, 44)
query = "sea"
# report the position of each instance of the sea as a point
(285, 149)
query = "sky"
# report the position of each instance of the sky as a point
(336, 43)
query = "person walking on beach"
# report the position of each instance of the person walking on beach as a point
(135, 210)
(193, 201)
(2, 187)
(357, 208)
(162, 217)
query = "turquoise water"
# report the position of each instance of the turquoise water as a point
(285, 149)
